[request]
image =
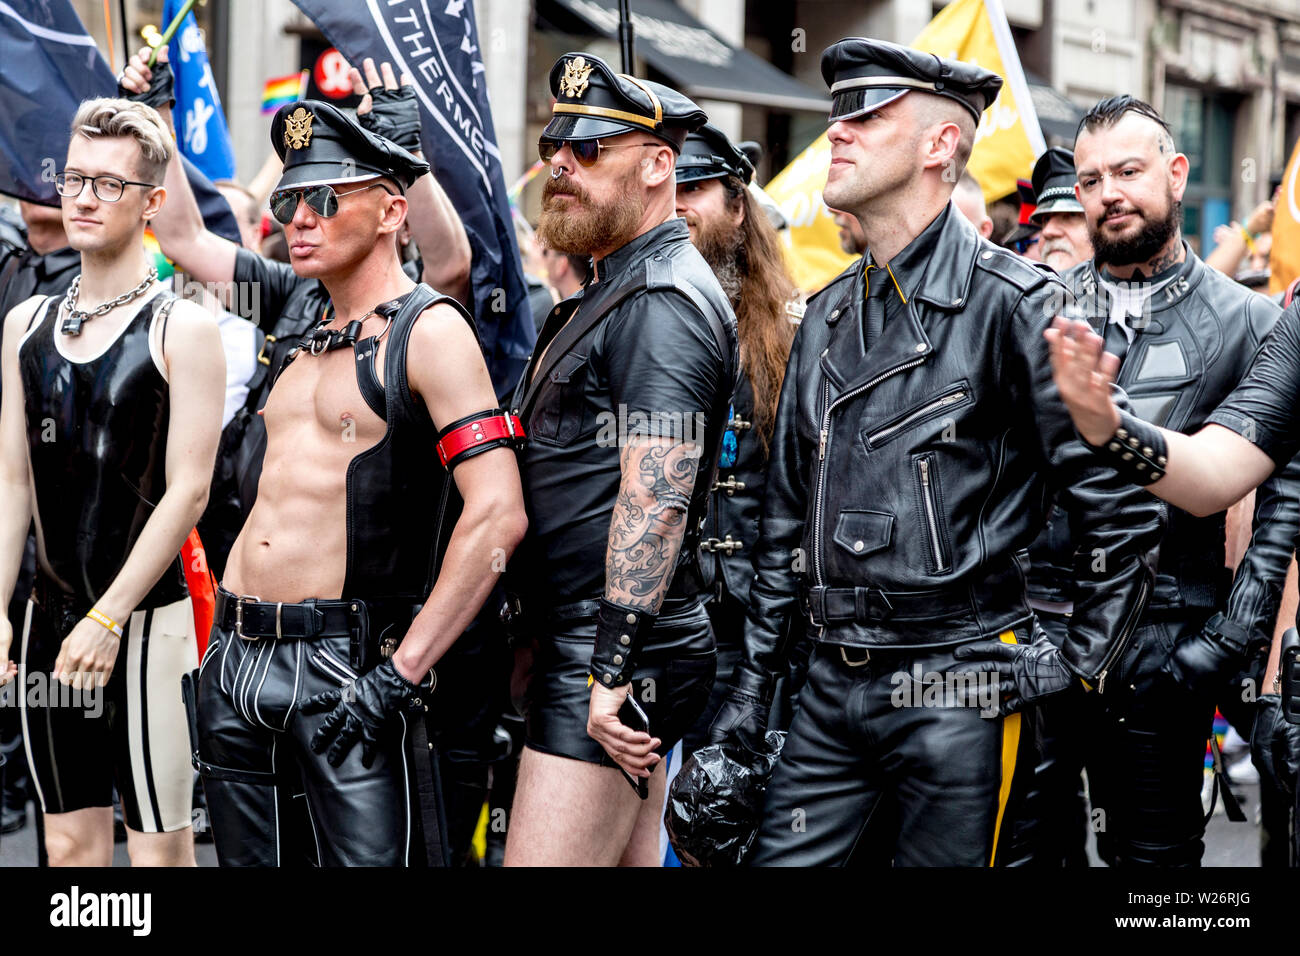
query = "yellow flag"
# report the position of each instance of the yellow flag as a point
(1284, 259)
(1007, 141)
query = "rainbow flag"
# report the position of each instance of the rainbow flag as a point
(283, 89)
(164, 265)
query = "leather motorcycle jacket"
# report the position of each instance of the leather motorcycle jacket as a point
(905, 479)
(736, 498)
(1192, 343)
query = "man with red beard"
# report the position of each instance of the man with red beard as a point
(624, 403)
(742, 248)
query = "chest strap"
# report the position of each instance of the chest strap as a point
(477, 433)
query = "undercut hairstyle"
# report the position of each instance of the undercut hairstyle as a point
(1106, 113)
(762, 322)
(933, 109)
(110, 116)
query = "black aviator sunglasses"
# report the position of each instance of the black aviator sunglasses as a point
(323, 200)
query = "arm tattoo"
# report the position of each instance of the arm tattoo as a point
(649, 521)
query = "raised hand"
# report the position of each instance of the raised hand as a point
(1084, 372)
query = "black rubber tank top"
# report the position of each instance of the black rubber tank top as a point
(97, 431)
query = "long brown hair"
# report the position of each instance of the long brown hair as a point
(765, 327)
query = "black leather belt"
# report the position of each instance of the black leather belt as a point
(828, 606)
(253, 619)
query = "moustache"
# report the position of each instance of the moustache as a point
(562, 186)
(1113, 212)
(1056, 245)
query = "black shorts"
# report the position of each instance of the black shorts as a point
(130, 734)
(674, 674)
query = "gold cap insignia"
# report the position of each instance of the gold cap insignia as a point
(297, 129)
(574, 81)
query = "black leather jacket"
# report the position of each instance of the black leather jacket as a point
(1188, 353)
(731, 528)
(907, 479)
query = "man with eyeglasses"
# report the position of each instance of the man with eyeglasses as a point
(625, 400)
(111, 408)
(388, 502)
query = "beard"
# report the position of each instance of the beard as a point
(1143, 245)
(720, 245)
(581, 226)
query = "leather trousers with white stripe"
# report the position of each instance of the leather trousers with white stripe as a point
(272, 801)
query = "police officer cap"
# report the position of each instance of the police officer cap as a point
(866, 74)
(592, 101)
(1054, 180)
(708, 154)
(321, 144)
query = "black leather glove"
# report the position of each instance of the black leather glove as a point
(394, 115)
(361, 711)
(744, 711)
(1202, 663)
(160, 93)
(1275, 744)
(1026, 672)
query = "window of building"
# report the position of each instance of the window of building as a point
(1202, 122)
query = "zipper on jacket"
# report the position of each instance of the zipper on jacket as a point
(821, 455)
(1120, 644)
(950, 399)
(931, 513)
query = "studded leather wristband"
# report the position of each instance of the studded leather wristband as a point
(1137, 450)
(620, 634)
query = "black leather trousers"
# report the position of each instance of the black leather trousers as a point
(1144, 752)
(262, 780)
(873, 760)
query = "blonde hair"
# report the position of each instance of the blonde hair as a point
(110, 116)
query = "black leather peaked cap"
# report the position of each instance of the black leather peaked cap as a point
(866, 74)
(709, 154)
(321, 144)
(1054, 180)
(592, 101)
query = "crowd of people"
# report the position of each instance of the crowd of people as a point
(900, 541)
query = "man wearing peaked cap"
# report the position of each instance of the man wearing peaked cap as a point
(625, 401)
(915, 439)
(1063, 237)
(389, 483)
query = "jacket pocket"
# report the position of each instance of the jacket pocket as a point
(952, 397)
(558, 419)
(935, 528)
(861, 533)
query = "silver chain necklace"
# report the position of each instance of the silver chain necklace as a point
(72, 324)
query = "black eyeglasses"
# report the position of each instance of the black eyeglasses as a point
(323, 200)
(585, 151)
(106, 188)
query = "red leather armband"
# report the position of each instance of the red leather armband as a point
(476, 433)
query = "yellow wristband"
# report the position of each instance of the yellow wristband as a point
(1250, 240)
(100, 617)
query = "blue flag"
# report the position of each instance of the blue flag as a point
(200, 121)
(437, 45)
(50, 65)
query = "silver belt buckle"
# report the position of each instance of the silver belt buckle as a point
(239, 616)
(844, 655)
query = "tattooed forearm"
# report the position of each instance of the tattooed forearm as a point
(649, 521)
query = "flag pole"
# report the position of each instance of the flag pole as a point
(625, 38)
(171, 29)
(126, 31)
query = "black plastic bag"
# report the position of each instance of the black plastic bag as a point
(716, 800)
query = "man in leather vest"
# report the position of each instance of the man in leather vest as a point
(112, 398)
(1185, 335)
(742, 248)
(916, 437)
(625, 401)
(388, 501)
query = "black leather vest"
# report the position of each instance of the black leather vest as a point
(97, 431)
(402, 503)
